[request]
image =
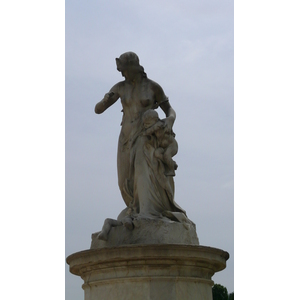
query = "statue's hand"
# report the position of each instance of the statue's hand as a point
(108, 100)
(168, 124)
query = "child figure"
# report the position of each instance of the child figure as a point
(109, 223)
(167, 145)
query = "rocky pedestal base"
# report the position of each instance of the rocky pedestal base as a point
(149, 231)
(148, 272)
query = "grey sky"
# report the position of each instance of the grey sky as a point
(185, 46)
(192, 44)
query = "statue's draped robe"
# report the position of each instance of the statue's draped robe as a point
(147, 192)
(144, 187)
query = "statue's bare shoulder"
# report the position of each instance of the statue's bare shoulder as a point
(155, 86)
(158, 92)
(118, 88)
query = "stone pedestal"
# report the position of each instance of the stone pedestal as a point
(149, 231)
(148, 272)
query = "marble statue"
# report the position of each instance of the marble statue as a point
(151, 251)
(145, 149)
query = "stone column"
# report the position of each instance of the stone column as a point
(148, 272)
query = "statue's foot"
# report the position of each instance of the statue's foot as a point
(102, 236)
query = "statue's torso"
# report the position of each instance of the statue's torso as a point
(135, 99)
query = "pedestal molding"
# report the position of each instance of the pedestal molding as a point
(179, 272)
(137, 279)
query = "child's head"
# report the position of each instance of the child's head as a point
(150, 117)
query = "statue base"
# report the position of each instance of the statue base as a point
(149, 231)
(148, 272)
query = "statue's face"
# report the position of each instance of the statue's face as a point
(150, 119)
(120, 65)
(128, 71)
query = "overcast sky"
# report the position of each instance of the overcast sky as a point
(185, 46)
(58, 159)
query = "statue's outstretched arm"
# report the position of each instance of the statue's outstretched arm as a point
(109, 99)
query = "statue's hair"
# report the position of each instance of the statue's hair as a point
(130, 58)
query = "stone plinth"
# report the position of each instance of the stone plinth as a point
(147, 231)
(148, 272)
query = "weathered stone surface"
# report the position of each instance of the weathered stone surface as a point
(146, 144)
(151, 251)
(144, 272)
(149, 231)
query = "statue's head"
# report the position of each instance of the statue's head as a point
(150, 117)
(129, 61)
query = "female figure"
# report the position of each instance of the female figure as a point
(146, 190)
